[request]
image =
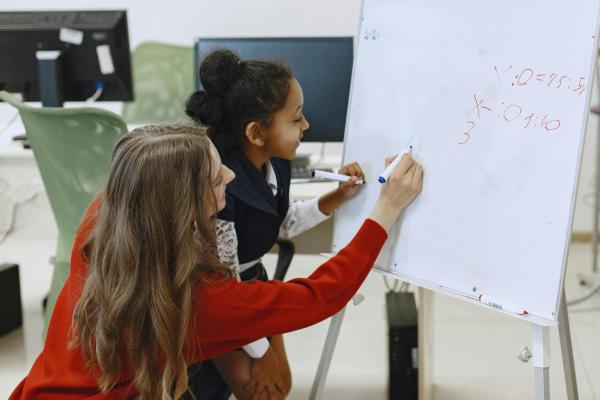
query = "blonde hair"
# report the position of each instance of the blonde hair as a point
(145, 254)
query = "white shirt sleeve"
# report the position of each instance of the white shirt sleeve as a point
(301, 216)
(258, 348)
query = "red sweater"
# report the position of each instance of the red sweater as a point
(230, 315)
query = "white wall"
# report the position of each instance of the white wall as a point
(179, 22)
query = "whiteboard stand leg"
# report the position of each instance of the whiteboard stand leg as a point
(597, 191)
(425, 342)
(566, 347)
(596, 208)
(541, 361)
(327, 355)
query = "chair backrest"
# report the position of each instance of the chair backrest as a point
(73, 149)
(163, 77)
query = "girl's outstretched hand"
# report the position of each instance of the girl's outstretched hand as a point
(351, 188)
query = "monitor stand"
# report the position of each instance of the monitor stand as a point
(50, 77)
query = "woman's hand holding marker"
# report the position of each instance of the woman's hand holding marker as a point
(402, 185)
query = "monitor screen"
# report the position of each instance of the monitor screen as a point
(94, 49)
(322, 65)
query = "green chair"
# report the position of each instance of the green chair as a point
(163, 79)
(73, 149)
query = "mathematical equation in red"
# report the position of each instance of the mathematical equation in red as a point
(528, 76)
(515, 113)
(512, 113)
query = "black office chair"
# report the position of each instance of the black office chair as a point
(284, 258)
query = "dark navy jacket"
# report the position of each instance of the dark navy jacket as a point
(251, 205)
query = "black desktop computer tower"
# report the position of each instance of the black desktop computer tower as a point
(403, 346)
(10, 298)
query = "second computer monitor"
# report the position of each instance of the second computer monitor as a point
(322, 65)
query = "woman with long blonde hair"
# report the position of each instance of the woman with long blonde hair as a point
(147, 295)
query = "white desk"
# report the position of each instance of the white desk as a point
(19, 180)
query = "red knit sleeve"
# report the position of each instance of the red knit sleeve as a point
(88, 223)
(230, 313)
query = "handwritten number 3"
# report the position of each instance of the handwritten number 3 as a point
(466, 134)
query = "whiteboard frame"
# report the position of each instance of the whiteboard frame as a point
(592, 68)
(463, 296)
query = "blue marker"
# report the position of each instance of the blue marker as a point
(383, 177)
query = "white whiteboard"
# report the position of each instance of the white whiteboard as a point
(494, 96)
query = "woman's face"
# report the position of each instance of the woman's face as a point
(288, 125)
(221, 177)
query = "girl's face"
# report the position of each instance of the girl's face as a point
(288, 125)
(222, 175)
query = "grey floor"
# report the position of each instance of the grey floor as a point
(474, 352)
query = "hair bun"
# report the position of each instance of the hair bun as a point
(204, 108)
(219, 71)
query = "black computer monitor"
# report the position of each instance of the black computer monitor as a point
(322, 65)
(56, 56)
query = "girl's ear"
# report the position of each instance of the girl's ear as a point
(254, 134)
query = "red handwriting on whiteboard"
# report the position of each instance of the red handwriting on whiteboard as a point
(528, 76)
(508, 113)
(479, 107)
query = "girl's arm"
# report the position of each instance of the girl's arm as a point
(284, 367)
(303, 215)
(329, 202)
(234, 367)
(249, 378)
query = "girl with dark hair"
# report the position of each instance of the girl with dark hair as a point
(146, 295)
(253, 112)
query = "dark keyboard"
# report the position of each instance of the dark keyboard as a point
(301, 172)
(305, 173)
(23, 139)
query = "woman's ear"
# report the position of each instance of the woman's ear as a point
(254, 134)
